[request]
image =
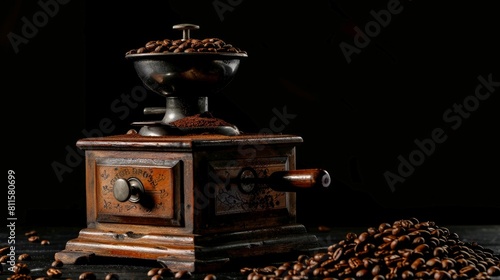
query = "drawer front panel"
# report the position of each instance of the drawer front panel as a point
(156, 204)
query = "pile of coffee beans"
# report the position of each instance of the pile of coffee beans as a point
(191, 45)
(404, 249)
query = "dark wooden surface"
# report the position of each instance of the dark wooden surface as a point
(43, 255)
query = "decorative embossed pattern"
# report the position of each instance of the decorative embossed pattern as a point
(231, 199)
(157, 201)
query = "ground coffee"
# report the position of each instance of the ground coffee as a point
(205, 119)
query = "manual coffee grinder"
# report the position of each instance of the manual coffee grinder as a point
(191, 197)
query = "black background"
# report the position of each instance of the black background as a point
(356, 118)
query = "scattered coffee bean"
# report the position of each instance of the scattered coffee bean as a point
(153, 271)
(34, 238)
(246, 270)
(4, 258)
(210, 277)
(182, 274)
(24, 257)
(21, 268)
(57, 263)
(4, 251)
(157, 277)
(112, 276)
(131, 131)
(45, 242)
(54, 273)
(87, 276)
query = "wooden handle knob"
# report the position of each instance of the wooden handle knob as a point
(285, 181)
(293, 180)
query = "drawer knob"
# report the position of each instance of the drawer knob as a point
(128, 189)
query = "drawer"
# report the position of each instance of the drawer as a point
(159, 182)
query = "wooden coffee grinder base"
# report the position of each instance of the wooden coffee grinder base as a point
(195, 203)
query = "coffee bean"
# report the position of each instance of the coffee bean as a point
(418, 240)
(34, 238)
(422, 274)
(383, 226)
(298, 266)
(21, 268)
(246, 270)
(394, 244)
(434, 241)
(469, 270)
(481, 267)
(88, 275)
(447, 264)
(57, 263)
(54, 273)
(112, 276)
(433, 262)
(441, 275)
(338, 254)
(153, 271)
(4, 258)
(422, 248)
(407, 274)
(327, 264)
(280, 272)
(182, 274)
(210, 277)
(355, 263)
(4, 250)
(417, 264)
(397, 231)
(24, 257)
(494, 270)
(371, 231)
(321, 257)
